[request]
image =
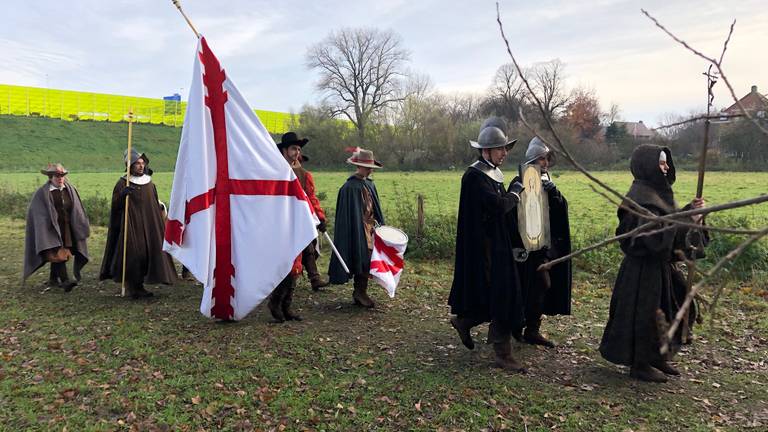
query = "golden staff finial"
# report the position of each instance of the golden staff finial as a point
(177, 3)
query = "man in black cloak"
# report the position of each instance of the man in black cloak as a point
(146, 262)
(357, 213)
(485, 286)
(648, 293)
(546, 292)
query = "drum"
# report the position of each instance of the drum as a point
(392, 236)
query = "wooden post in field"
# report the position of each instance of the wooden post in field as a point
(420, 216)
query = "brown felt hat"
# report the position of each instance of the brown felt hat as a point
(364, 158)
(52, 169)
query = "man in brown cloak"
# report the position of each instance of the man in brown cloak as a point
(57, 229)
(146, 262)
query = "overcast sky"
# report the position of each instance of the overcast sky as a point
(144, 48)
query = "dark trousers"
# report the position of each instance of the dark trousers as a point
(537, 289)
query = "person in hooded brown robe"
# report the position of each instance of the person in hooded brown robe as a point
(57, 229)
(648, 291)
(146, 262)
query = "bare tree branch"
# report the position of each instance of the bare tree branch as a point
(695, 119)
(715, 62)
(732, 255)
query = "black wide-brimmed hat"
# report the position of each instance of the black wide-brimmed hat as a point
(289, 139)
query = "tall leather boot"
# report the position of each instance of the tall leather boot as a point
(276, 301)
(360, 294)
(309, 259)
(532, 334)
(504, 359)
(288, 299)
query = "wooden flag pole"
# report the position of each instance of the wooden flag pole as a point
(125, 208)
(177, 3)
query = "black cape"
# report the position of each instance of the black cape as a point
(146, 262)
(558, 298)
(485, 285)
(646, 282)
(348, 229)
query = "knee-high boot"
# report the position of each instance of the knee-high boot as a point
(288, 300)
(360, 294)
(276, 300)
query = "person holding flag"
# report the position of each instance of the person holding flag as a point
(282, 297)
(145, 261)
(357, 213)
(296, 158)
(238, 215)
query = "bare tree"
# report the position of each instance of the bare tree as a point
(612, 115)
(361, 70)
(549, 87)
(506, 92)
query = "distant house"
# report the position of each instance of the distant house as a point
(754, 102)
(637, 130)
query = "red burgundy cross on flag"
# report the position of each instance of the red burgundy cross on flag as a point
(238, 216)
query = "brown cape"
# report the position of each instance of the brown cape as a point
(42, 231)
(146, 261)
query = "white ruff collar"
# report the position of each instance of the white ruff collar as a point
(52, 187)
(141, 180)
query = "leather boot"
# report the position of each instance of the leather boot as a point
(504, 359)
(310, 263)
(463, 330)
(288, 300)
(666, 368)
(143, 292)
(532, 335)
(360, 294)
(644, 372)
(276, 301)
(61, 270)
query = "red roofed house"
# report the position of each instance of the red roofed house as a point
(637, 130)
(754, 102)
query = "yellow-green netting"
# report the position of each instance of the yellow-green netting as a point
(73, 105)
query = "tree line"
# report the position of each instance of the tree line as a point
(370, 98)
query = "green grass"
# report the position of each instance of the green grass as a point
(91, 361)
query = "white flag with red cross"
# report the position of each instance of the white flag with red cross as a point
(238, 216)
(387, 261)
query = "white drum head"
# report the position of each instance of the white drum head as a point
(392, 235)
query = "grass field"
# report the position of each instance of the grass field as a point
(91, 361)
(88, 360)
(441, 190)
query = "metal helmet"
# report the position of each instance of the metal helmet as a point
(537, 149)
(492, 134)
(135, 155)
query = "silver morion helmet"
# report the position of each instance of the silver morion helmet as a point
(537, 149)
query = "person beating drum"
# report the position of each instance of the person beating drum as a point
(357, 213)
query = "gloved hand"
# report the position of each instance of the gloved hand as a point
(515, 187)
(127, 191)
(548, 185)
(321, 227)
